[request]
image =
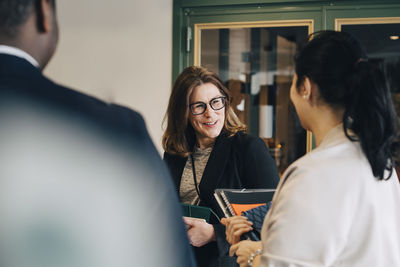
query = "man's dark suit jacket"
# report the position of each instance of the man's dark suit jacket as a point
(241, 161)
(81, 182)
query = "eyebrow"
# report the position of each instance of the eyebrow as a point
(208, 101)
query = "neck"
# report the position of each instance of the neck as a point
(31, 41)
(205, 142)
(4, 40)
(324, 120)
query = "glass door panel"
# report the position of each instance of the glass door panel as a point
(256, 64)
(381, 39)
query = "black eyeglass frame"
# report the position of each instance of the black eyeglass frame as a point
(223, 98)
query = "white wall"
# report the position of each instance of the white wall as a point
(119, 51)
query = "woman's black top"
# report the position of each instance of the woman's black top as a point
(240, 161)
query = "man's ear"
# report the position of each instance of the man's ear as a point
(44, 13)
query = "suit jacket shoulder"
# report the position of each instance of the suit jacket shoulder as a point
(21, 81)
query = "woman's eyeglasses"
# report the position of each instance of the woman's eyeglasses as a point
(216, 103)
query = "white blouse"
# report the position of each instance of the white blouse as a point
(329, 210)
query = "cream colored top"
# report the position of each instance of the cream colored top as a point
(187, 191)
(329, 210)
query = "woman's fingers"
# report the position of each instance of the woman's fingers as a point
(235, 227)
(224, 221)
(188, 221)
(241, 231)
(236, 220)
(233, 249)
(233, 218)
(242, 261)
(233, 236)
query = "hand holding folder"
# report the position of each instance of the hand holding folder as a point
(234, 202)
(195, 218)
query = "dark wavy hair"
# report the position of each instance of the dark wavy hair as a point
(14, 13)
(179, 137)
(337, 63)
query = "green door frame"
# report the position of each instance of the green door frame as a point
(186, 13)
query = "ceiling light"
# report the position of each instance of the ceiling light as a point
(394, 37)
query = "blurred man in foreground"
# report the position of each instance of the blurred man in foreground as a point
(81, 183)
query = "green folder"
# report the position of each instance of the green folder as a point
(196, 212)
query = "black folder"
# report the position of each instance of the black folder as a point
(196, 212)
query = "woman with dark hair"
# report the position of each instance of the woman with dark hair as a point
(206, 148)
(340, 204)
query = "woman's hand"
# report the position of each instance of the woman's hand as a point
(235, 227)
(243, 250)
(199, 231)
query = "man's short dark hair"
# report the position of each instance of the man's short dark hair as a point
(14, 13)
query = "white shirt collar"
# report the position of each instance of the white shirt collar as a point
(10, 50)
(334, 136)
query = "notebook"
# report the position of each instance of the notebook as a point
(235, 201)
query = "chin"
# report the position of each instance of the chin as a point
(213, 134)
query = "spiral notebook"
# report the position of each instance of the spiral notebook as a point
(235, 201)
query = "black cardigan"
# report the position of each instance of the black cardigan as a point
(240, 161)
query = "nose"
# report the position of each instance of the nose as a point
(208, 111)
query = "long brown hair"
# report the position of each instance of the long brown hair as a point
(179, 136)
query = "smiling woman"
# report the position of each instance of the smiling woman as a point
(207, 121)
(206, 148)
